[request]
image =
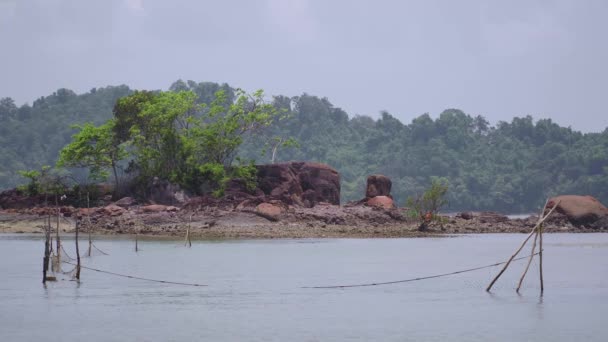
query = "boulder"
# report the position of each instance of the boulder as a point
(492, 217)
(164, 192)
(465, 215)
(269, 211)
(381, 202)
(154, 208)
(378, 185)
(300, 183)
(580, 210)
(125, 202)
(113, 210)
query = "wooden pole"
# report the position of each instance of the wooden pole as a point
(540, 222)
(47, 252)
(136, 248)
(188, 241)
(77, 251)
(510, 259)
(540, 257)
(521, 280)
(89, 224)
(58, 240)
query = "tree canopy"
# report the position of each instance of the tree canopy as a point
(510, 167)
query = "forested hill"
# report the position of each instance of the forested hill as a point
(510, 167)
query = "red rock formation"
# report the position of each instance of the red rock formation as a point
(378, 185)
(300, 183)
(381, 201)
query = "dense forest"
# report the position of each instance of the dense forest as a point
(511, 167)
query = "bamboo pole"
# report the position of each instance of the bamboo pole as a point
(540, 222)
(521, 280)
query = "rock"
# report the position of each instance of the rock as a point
(269, 211)
(466, 215)
(125, 202)
(300, 183)
(113, 210)
(378, 185)
(580, 210)
(15, 199)
(157, 208)
(492, 217)
(164, 192)
(381, 202)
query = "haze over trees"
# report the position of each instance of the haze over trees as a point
(510, 167)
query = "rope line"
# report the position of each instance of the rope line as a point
(134, 277)
(102, 252)
(413, 279)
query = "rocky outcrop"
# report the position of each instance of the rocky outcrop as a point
(378, 185)
(580, 210)
(300, 183)
(15, 199)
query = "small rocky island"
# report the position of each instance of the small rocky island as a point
(291, 200)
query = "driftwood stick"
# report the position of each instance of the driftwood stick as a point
(540, 221)
(521, 280)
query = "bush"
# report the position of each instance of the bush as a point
(425, 207)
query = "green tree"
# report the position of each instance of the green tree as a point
(95, 148)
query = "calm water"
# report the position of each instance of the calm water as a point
(255, 293)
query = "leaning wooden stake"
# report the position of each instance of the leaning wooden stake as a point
(77, 252)
(521, 280)
(534, 230)
(540, 257)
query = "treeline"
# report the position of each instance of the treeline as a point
(510, 167)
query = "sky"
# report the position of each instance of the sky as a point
(498, 59)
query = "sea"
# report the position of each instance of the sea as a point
(416, 289)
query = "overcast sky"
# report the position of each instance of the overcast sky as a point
(495, 58)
